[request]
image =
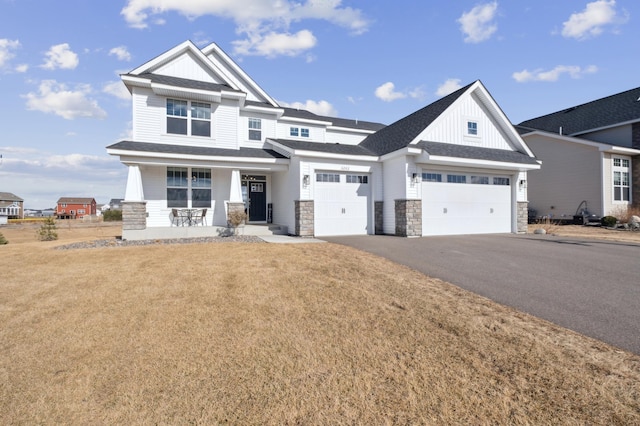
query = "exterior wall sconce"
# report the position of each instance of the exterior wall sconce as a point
(523, 184)
(415, 178)
(306, 180)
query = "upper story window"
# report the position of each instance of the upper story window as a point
(472, 128)
(299, 132)
(194, 121)
(255, 129)
(621, 173)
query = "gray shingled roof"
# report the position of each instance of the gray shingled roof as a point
(335, 121)
(195, 150)
(185, 83)
(399, 134)
(7, 196)
(618, 108)
(328, 148)
(76, 200)
(476, 153)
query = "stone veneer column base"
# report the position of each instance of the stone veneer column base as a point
(304, 211)
(408, 218)
(523, 217)
(232, 208)
(378, 217)
(134, 215)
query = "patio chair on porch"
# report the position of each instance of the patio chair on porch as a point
(200, 217)
(177, 218)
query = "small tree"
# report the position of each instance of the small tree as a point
(3, 240)
(112, 215)
(47, 231)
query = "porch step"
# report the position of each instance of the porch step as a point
(266, 229)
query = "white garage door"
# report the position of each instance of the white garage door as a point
(341, 203)
(461, 203)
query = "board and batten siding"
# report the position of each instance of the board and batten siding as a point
(394, 172)
(570, 173)
(451, 127)
(189, 67)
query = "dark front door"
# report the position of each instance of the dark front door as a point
(257, 201)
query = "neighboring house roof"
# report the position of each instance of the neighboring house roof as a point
(76, 200)
(7, 196)
(476, 153)
(327, 148)
(195, 150)
(401, 133)
(7, 203)
(620, 108)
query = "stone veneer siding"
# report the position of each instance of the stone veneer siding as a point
(523, 217)
(408, 218)
(304, 226)
(378, 215)
(134, 215)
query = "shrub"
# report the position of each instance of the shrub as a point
(609, 221)
(3, 240)
(112, 215)
(624, 213)
(47, 231)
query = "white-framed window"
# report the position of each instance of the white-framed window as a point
(357, 179)
(432, 177)
(299, 132)
(621, 181)
(188, 118)
(255, 129)
(480, 180)
(294, 131)
(81, 211)
(327, 177)
(472, 128)
(304, 132)
(500, 180)
(179, 185)
(456, 178)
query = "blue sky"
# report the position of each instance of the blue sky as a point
(369, 60)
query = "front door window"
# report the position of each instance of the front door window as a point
(254, 194)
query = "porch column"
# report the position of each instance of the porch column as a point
(134, 190)
(235, 194)
(134, 208)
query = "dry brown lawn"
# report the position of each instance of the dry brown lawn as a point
(280, 334)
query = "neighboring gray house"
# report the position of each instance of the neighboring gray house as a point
(11, 206)
(207, 141)
(590, 155)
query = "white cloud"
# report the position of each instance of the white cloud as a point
(477, 24)
(7, 48)
(265, 23)
(449, 86)
(273, 44)
(387, 92)
(573, 71)
(60, 56)
(117, 89)
(22, 68)
(55, 98)
(121, 53)
(323, 108)
(590, 22)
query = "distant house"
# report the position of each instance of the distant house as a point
(115, 204)
(590, 157)
(72, 207)
(11, 206)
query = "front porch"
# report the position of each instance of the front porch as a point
(174, 232)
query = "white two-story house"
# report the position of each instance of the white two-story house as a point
(206, 137)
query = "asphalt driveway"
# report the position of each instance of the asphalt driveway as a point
(589, 286)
